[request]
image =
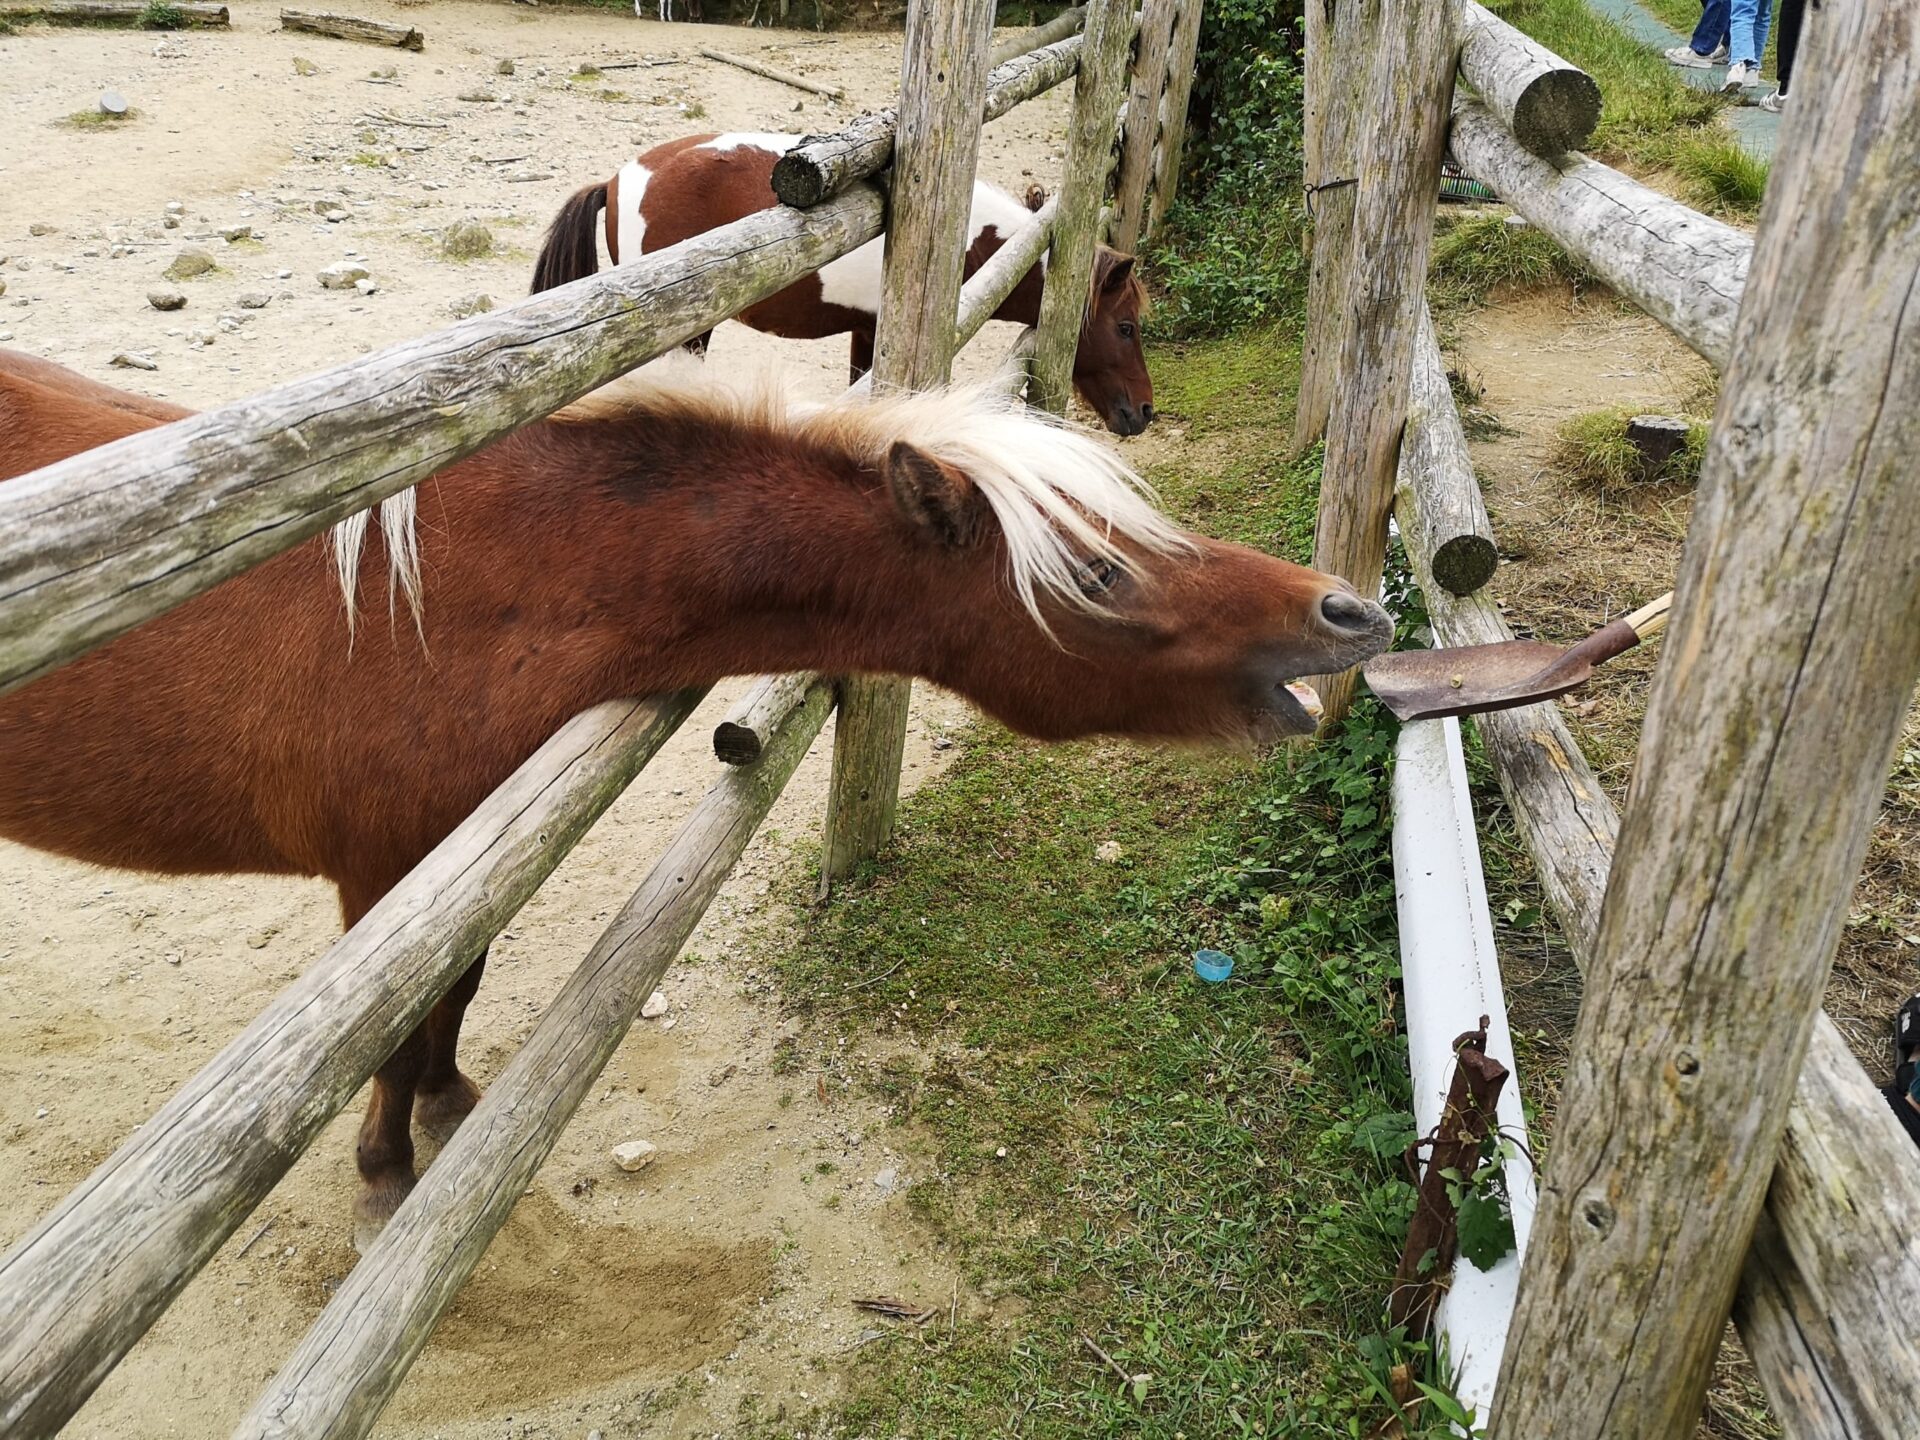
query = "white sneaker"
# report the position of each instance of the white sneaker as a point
(1688, 58)
(1774, 103)
(1739, 77)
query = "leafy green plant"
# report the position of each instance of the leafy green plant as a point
(159, 15)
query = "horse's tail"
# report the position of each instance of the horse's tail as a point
(570, 252)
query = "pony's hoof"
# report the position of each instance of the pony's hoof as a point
(438, 1113)
(374, 1207)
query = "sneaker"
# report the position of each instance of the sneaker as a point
(1774, 103)
(1688, 58)
(1739, 77)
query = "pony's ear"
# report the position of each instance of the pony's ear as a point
(942, 505)
(1036, 196)
(1111, 270)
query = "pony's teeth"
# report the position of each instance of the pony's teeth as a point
(1308, 697)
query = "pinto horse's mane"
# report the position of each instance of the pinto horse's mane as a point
(1060, 497)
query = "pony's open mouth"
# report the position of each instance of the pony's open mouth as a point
(1296, 709)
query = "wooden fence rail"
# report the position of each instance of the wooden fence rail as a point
(352, 1360)
(88, 1280)
(827, 164)
(1686, 270)
(1549, 106)
(93, 545)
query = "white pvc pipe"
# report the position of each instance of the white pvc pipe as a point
(1451, 978)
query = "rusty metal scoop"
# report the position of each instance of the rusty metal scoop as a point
(1472, 679)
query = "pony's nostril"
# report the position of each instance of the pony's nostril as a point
(1146, 411)
(1345, 610)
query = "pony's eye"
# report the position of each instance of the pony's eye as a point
(1096, 577)
(1126, 329)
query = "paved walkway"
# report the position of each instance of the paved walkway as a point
(1755, 127)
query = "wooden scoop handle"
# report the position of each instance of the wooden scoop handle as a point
(1623, 634)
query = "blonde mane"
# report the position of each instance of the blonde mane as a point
(1061, 497)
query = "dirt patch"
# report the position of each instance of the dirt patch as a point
(1575, 555)
(656, 1303)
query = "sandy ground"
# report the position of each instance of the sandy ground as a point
(644, 1304)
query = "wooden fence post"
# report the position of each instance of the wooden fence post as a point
(1792, 657)
(1411, 47)
(943, 84)
(1334, 61)
(1181, 60)
(1146, 84)
(1097, 91)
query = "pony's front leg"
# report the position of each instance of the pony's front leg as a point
(385, 1151)
(444, 1096)
(860, 356)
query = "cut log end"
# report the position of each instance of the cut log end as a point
(1557, 112)
(736, 744)
(1463, 563)
(1657, 438)
(798, 182)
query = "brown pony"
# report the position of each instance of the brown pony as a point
(670, 538)
(700, 182)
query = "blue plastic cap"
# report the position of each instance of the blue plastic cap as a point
(1212, 966)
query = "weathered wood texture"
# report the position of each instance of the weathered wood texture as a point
(97, 543)
(89, 1280)
(1338, 45)
(352, 1360)
(785, 77)
(1067, 22)
(1833, 1277)
(1434, 457)
(352, 27)
(827, 164)
(740, 737)
(1146, 85)
(1788, 668)
(1550, 107)
(995, 280)
(193, 15)
(1408, 86)
(1791, 1324)
(943, 81)
(1685, 270)
(1181, 61)
(1097, 93)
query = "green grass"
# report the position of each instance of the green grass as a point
(1475, 257)
(1650, 118)
(1203, 1180)
(98, 119)
(1594, 447)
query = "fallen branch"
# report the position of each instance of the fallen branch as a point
(351, 27)
(832, 92)
(131, 13)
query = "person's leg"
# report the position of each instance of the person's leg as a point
(1746, 31)
(1711, 33)
(1791, 12)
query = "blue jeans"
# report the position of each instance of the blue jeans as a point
(1747, 31)
(1711, 33)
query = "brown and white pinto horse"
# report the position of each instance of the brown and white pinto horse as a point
(689, 186)
(670, 538)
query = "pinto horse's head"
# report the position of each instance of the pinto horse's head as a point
(1075, 607)
(1109, 368)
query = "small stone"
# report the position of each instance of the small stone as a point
(42, 1113)
(466, 240)
(886, 1180)
(365, 287)
(798, 106)
(200, 339)
(631, 1155)
(385, 72)
(231, 233)
(165, 297)
(479, 302)
(191, 261)
(174, 207)
(1001, 1153)
(336, 215)
(173, 957)
(668, 1023)
(1109, 852)
(132, 360)
(172, 222)
(259, 939)
(343, 276)
(656, 1006)
(229, 324)
(943, 742)
(304, 66)
(253, 300)
(504, 67)
(40, 227)
(283, 274)
(3, 287)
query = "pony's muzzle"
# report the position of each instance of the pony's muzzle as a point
(1355, 628)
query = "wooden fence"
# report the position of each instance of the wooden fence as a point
(1718, 1150)
(95, 545)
